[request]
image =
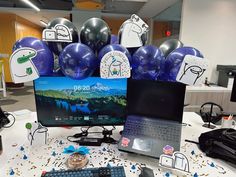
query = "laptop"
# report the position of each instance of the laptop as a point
(154, 117)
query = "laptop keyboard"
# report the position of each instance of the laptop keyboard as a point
(153, 128)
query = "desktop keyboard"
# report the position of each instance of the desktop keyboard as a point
(89, 172)
(162, 130)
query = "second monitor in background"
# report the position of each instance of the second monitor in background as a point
(61, 101)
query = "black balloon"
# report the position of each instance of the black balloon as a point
(95, 33)
(170, 45)
(57, 47)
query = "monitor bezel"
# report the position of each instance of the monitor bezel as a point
(80, 125)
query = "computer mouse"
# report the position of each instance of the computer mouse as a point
(146, 172)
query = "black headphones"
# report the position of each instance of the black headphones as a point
(211, 115)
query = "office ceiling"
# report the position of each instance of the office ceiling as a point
(114, 6)
(62, 8)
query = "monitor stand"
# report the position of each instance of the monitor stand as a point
(107, 137)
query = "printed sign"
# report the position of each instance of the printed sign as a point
(59, 33)
(21, 65)
(133, 29)
(114, 65)
(192, 70)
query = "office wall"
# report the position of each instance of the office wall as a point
(114, 23)
(80, 16)
(209, 25)
(25, 28)
(12, 28)
(7, 39)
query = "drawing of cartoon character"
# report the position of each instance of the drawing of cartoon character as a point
(22, 67)
(132, 32)
(115, 67)
(63, 32)
(192, 70)
(59, 33)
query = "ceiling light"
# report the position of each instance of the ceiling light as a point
(31, 5)
(43, 23)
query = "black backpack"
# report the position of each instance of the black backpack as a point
(220, 143)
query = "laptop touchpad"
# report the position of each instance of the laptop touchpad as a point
(142, 144)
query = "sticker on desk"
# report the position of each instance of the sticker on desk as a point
(59, 33)
(142, 144)
(21, 65)
(114, 65)
(192, 70)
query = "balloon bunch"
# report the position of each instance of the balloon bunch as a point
(79, 60)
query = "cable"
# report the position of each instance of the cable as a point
(84, 133)
(7, 114)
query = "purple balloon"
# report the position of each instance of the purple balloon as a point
(146, 63)
(44, 61)
(114, 39)
(174, 61)
(77, 61)
(113, 47)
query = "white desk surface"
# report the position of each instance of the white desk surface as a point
(41, 159)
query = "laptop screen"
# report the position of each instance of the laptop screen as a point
(156, 99)
(61, 101)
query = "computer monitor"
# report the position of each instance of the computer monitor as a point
(156, 99)
(61, 101)
(233, 93)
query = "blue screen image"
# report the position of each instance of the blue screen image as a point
(91, 101)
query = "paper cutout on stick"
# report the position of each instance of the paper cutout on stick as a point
(59, 33)
(114, 65)
(133, 29)
(192, 70)
(21, 65)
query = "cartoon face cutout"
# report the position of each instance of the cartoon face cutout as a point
(21, 65)
(133, 29)
(59, 33)
(114, 64)
(139, 22)
(192, 70)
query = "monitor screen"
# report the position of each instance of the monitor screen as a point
(61, 101)
(156, 99)
(233, 94)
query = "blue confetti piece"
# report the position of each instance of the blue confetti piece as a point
(167, 174)
(104, 149)
(12, 172)
(212, 164)
(192, 152)
(25, 157)
(54, 153)
(195, 175)
(133, 167)
(22, 148)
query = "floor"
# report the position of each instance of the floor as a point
(18, 99)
